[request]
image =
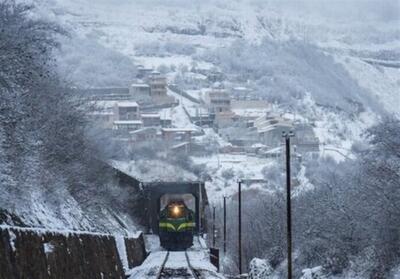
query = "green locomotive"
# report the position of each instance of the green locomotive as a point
(176, 226)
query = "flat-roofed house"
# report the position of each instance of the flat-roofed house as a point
(219, 104)
(172, 135)
(218, 101)
(126, 117)
(143, 72)
(270, 129)
(126, 126)
(140, 92)
(151, 119)
(158, 89)
(145, 134)
(127, 110)
(305, 139)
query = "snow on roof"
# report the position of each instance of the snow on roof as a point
(178, 130)
(128, 122)
(154, 171)
(180, 144)
(143, 130)
(274, 126)
(140, 85)
(255, 113)
(258, 145)
(150, 115)
(274, 150)
(127, 104)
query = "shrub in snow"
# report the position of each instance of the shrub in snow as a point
(313, 273)
(260, 269)
(228, 174)
(336, 261)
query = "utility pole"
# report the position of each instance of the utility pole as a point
(224, 225)
(213, 227)
(240, 226)
(287, 137)
(200, 207)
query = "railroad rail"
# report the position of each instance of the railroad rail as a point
(160, 271)
(186, 271)
(192, 270)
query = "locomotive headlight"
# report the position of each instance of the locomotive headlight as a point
(176, 211)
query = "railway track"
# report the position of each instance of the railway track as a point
(173, 266)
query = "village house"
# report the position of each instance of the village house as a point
(218, 101)
(140, 92)
(199, 115)
(270, 128)
(305, 140)
(241, 93)
(151, 119)
(143, 72)
(123, 127)
(249, 110)
(158, 89)
(126, 117)
(145, 134)
(219, 104)
(174, 135)
(127, 110)
(225, 119)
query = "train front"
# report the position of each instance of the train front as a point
(176, 226)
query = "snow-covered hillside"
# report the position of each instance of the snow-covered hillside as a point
(179, 33)
(318, 54)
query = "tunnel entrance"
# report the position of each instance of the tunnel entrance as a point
(188, 199)
(158, 194)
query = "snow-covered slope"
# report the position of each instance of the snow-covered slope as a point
(179, 32)
(320, 52)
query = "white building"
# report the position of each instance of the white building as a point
(270, 129)
(218, 101)
(140, 92)
(126, 126)
(158, 89)
(127, 110)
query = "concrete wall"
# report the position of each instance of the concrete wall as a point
(28, 253)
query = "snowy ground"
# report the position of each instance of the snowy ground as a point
(176, 264)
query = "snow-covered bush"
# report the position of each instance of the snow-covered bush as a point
(260, 269)
(313, 273)
(228, 174)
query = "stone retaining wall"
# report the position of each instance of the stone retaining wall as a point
(135, 251)
(36, 254)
